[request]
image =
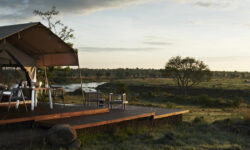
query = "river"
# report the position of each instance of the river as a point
(87, 87)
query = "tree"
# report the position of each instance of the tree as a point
(187, 72)
(56, 26)
(107, 74)
(98, 74)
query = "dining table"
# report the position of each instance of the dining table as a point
(34, 94)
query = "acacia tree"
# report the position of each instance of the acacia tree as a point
(187, 72)
(56, 26)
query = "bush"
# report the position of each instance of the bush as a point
(170, 105)
(237, 101)
(206, 101)
(199, 120)
(121, 88)
(246, 117)
(42, 97)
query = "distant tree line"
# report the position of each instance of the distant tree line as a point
(67, 75)
(148, 73)
(122, 73)
(231, 74)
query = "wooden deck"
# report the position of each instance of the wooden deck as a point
(43, 112)
(80, 117)
(115, 116)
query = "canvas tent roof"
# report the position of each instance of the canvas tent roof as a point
(34, 45)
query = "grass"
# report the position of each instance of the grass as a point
(202, 134)
(246, 116)
(193, 136)
(220, 83)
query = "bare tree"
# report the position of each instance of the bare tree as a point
(56, 26)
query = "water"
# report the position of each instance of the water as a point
(87, 87)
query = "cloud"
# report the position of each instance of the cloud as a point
(111, 49)
(226, 58)
(22, 9)
(211, 4)
(158, 40)
(195, 22)
(158, 43)
(206, 3)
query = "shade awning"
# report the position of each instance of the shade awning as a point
(33, 44)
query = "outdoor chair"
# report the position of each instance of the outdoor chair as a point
(16, 94)
(118, 99)
(57, 92)
(95, 97)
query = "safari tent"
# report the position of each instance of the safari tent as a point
(33, 45)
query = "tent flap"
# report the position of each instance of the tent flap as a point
(57, 60)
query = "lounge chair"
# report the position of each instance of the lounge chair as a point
(96, 97)
(118, 99)
(57, 91)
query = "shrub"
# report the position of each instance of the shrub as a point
(237, 101)
(122, 88)
(170, 105)
(199, 120)
(42, 97)
(206, 101)
(246, 117)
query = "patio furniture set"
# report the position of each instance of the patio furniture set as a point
(113, 99)
(16, 95)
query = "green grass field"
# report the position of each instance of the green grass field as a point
(214, 83)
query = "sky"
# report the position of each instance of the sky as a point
(147, 33)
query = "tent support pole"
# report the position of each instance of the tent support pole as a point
(46, 82)
(80, 75)
(1, 72)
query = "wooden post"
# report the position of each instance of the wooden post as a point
(33, 98)
(50, 99)
(80, 75)
(1, 72)
(46, 82)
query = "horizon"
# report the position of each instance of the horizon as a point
(146, 34)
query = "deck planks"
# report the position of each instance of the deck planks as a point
(43, 112)
(80, 117)
(116, 116)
